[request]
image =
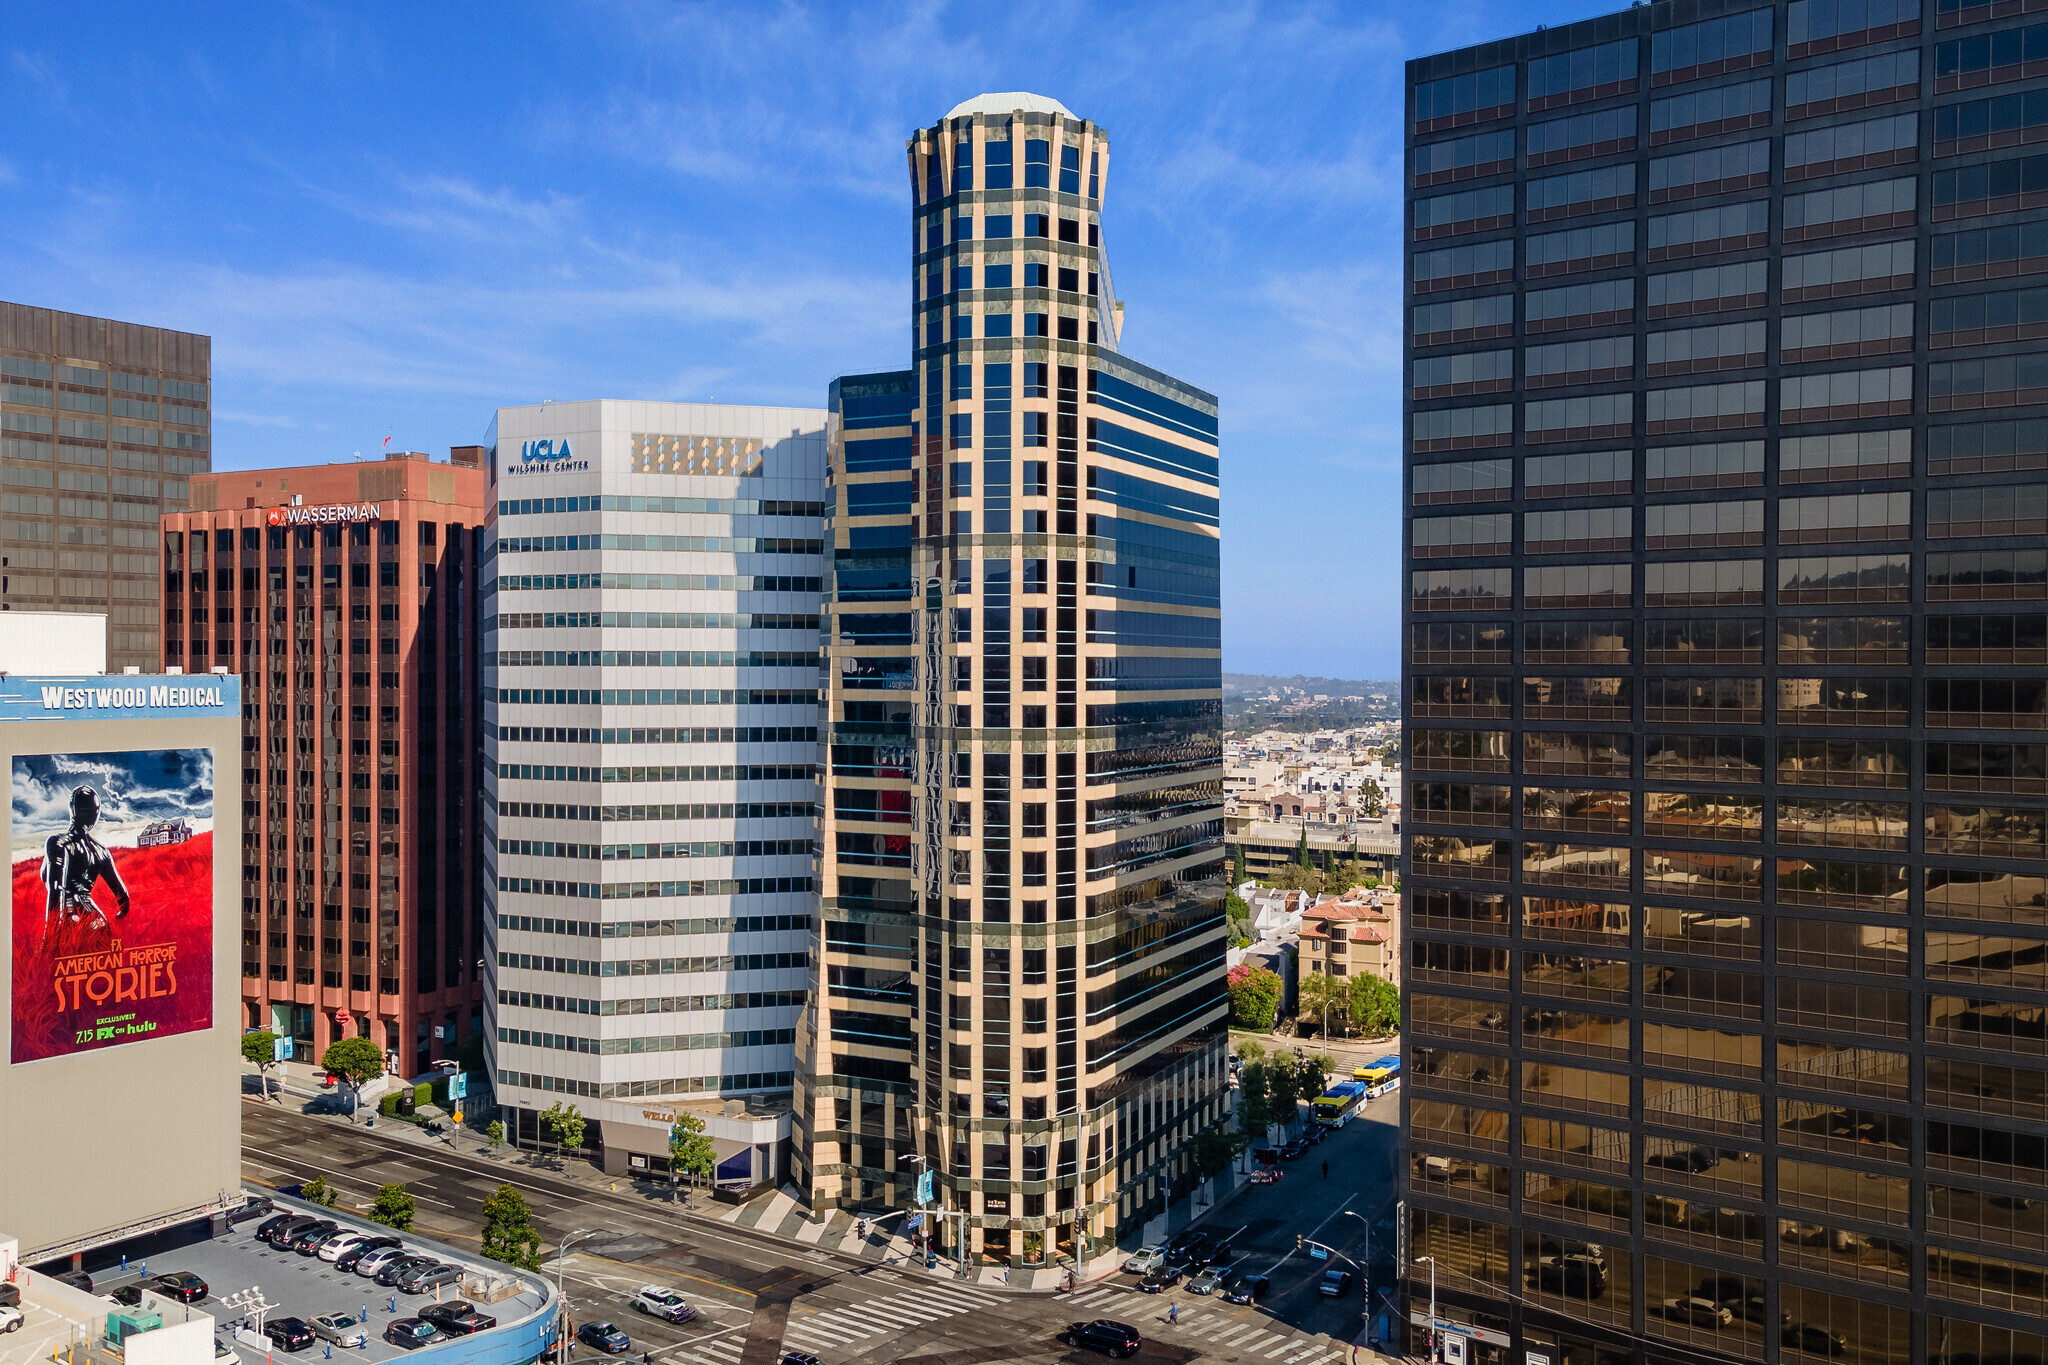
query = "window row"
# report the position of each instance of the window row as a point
(1838, 272)
(1870, 206)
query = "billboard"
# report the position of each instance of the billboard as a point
(113, 899)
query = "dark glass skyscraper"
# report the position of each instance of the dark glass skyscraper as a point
(1724, 654)
(1021, 963)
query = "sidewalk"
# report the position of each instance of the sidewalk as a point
(779, 1215)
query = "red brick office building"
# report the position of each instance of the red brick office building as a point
(345, 597)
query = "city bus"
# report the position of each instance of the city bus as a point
(1379, 1077)
(1336, 1105)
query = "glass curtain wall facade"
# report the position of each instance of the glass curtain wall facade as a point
(1727, 482)
(102, 425)
(1022, 948)
(652, 583)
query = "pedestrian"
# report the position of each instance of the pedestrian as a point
(1173, 1312)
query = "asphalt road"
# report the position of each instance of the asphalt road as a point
(757, 1295)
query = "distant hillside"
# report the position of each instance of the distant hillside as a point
(1257, 701)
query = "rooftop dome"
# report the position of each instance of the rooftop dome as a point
(1008, 101)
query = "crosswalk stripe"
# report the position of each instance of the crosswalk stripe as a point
(906, 1312)
(833, 1335)
(961, 1300)
(1302, 1355)
(1283, 1346)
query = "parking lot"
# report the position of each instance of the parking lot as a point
(298, 1286)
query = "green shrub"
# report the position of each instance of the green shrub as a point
(422, 1094)
(388, 1106)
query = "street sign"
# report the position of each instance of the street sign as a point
(1318, 1253)
(913, 1223)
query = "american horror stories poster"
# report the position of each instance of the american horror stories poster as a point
(113, 899)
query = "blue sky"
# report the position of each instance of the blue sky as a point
(393, 219)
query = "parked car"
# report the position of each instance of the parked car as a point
(1697, 1311)
(181, 1285)
(1222, 1254)
(10, 1319)
(310, 1242)
(348, 1258)
(1145, 1260)
(605, 1337)
(307, 1237)
(257, 1207)
(1294, 1151)
(1116, 1338)
(371, 1263)
(1335, 1284)
(128, 1296)
(659, 1301)
(10, 1294)
(288, 1334)
(1208, 1282)
(404, 1265)
(469, 1324)
(331, 1249)
(77, 1279)
(1247, 1289)
(280, 1231)
(1819, 1341)
(223, 1351)
(1161, 1280)
(800, 1358)
(1187, 1246)
(422, 1279)
(412, 1333)
(340, 1328)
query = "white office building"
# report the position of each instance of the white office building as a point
(652, 588)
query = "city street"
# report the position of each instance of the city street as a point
(758, 1295)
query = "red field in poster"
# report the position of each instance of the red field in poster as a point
(112, 936)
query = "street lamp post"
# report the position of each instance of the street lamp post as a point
(1432, 1303)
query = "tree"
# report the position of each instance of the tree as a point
(393, 1208)
(1322, 996)
(1250, 1050)
(356, 1061)
(1254, 996)
(1312, 1075)
(688, 1148)
(566, 1122)
(318, 1191)
(1301, 849)
(1212, 1151)
(509, 1233)
(260, 1049)
(1254, 1099)
(1238, 919)
(495, 1133)
(1283, 1087)
(1375, 1006)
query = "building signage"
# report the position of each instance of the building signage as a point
(546, 457)
(333, 513)
(113, 899)
(1420, 1317)
(120, 697)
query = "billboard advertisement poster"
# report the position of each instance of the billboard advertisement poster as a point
(113, 899)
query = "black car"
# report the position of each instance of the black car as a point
(468, 1324)
(605, 1337)
(800, 1358)
(266, 1229)
(347, 1260)
(412, 1333)
(1294, 1151)
(289, 1334)
(1161, 1280)
(10, 1294)
(1335, 1284)
(401, 1265)
(181, 1285)
(1118, 1339)
(1188, 1248)
(307, 1239)
(259, 1207)
(1247, 1289)
(453, 1308)
(1819, 1341)
(1222, 1254)
(128, 1296)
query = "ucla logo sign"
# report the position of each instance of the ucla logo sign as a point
(546, 457)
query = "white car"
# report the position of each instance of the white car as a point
(662, 1302)
(1145, 1260)
(331, 1249)
(11, 1320)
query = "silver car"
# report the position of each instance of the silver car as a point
(425, 1278)
(340, 1328)
(378, 1259)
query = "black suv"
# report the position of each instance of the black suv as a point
(1116, 1338)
